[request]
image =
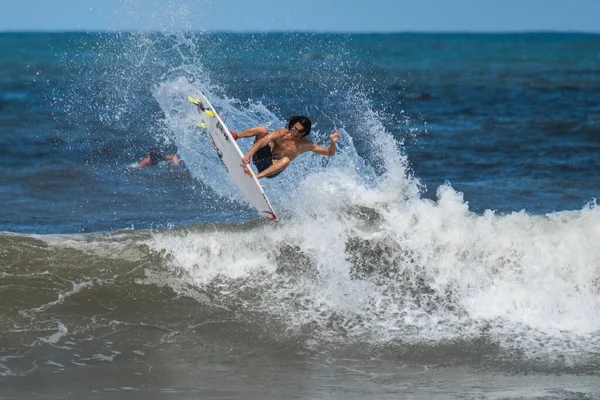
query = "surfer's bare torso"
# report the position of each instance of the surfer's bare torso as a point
(285, 145)
(288, 145)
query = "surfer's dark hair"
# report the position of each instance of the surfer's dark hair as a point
(154, 155)
(304, 121)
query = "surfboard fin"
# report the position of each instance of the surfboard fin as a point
(201, 107)
(194, 100)
(202, 125)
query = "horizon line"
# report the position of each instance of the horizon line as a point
(342, 32)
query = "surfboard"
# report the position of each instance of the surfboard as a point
(231, 156)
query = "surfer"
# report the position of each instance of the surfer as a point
(153, 157)
(273, 152)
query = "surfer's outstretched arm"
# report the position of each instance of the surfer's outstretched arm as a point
(144, 162)
(327, 151)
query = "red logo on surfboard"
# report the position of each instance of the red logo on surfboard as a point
(247, 170)
(270, 215)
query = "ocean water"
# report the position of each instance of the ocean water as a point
(449, 250)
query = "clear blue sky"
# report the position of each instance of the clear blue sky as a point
(302, 15)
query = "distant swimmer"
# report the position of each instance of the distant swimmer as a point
(173, 160)
(153, 158)
(273, 152)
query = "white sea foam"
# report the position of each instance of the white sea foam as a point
(55, 337)
(77, 286)
(54, 364)
(509, 275)
(4, 370)
(435, 270)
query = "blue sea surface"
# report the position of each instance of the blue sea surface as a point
(510, 120)
(448, 250)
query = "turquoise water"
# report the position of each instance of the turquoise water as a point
(449, 249)
(509, 120)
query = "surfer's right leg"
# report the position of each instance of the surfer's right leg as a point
(258, 132)
(275, 169)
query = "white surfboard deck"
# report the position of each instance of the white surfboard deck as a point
(231, 156)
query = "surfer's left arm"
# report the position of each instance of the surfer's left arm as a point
(262, 142)
(327, 151)
(144, 162)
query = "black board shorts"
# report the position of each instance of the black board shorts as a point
(263, 159)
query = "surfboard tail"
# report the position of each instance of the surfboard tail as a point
(201, 107)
